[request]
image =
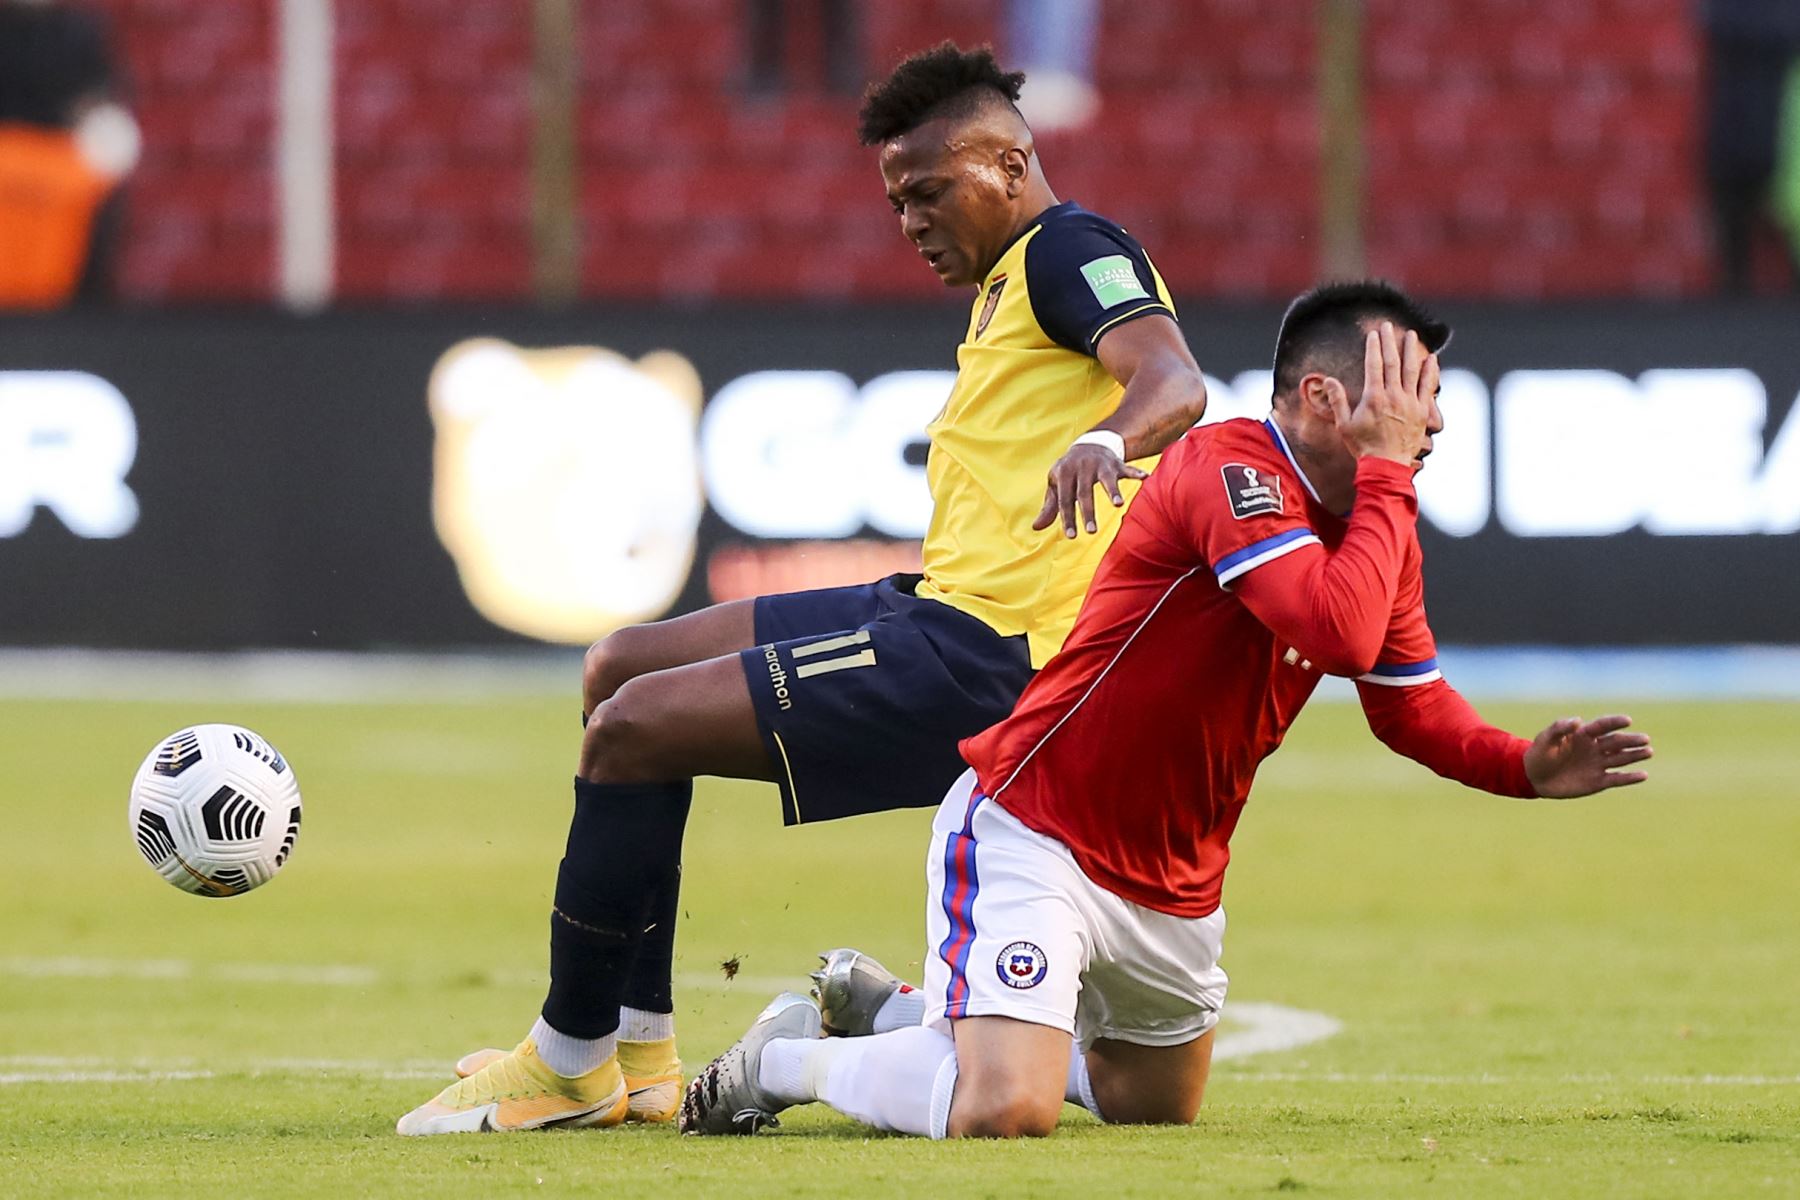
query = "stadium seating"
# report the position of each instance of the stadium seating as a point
(200, 209)
(1515, 149)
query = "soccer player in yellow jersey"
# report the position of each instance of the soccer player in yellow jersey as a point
(853, 699)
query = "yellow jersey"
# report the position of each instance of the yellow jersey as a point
(1027, 385)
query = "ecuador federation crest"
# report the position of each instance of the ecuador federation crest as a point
(990, 304)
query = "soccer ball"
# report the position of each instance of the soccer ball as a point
(215, 810)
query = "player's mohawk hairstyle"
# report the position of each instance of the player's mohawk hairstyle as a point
(930, 84)
(1324, 327)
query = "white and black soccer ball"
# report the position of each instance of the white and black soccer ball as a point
(215, 810)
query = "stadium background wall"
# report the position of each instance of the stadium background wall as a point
(283, 471)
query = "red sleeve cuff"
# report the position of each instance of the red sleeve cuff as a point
(1384, 470)
(1518, 782)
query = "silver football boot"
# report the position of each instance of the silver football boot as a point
(851, 987)
(727, 1095)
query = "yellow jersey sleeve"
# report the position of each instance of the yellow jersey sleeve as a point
(1028, 384)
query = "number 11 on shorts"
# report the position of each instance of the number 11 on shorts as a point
(836, 662)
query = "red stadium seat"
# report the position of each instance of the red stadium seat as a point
(1515, 148)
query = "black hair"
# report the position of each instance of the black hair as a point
(945, 80)
(1323, 329)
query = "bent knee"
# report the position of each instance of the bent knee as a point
(604, 669)
(619, 744)
(1005, 1115)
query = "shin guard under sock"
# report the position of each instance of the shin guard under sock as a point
(649, 984)
(623, 838)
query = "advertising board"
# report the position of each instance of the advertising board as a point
(1608, 475)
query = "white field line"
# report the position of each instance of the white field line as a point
(13, 1078)
(180, 969)
(1272, 1027)
(1489, 1080)
(252, 1070)
(39, 1069)
(49, 1068)
(96, 1062)
(1252, 1028)
(696, 981)
(319, 975)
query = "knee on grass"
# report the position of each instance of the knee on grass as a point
(1127, 1109)
(1004, 1112)
(1127, 1098)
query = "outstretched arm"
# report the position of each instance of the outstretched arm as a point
(1433, 725)
(1572, 757)
(1165, 395)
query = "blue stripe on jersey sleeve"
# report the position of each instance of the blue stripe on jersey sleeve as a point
(1403, 674)
(1260, 552)
(1418, 668)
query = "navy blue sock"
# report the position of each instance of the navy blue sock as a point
(650, 987)
(624, 840)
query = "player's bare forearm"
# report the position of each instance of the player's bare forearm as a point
(1165, 393)
(1162, 402)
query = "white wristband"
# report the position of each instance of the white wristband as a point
(1102, 437)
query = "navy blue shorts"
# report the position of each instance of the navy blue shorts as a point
(862, 694)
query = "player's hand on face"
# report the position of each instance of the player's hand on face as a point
(1400, 380)
(1574, 758)
(1071, 489)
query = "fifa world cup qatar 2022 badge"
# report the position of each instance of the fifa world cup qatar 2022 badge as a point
(1021, 965)
(1251, 490)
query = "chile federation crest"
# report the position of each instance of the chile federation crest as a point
(1021, 965)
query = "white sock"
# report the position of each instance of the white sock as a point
(1080, 1088)
(901, 1081)
(793, 1070)
(571, 1056)
(902, 1010)
(636, 1025)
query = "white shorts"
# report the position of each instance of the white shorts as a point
(1016, 930)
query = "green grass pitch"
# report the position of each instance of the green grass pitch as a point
(1587, 999)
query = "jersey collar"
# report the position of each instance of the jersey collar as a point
(1281, 443)
(1037, 222)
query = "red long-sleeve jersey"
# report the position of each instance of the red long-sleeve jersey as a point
(1228, 591)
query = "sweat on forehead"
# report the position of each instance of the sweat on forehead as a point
(991, 126)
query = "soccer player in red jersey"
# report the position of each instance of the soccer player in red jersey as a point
(855, 699)
(1076, 868)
